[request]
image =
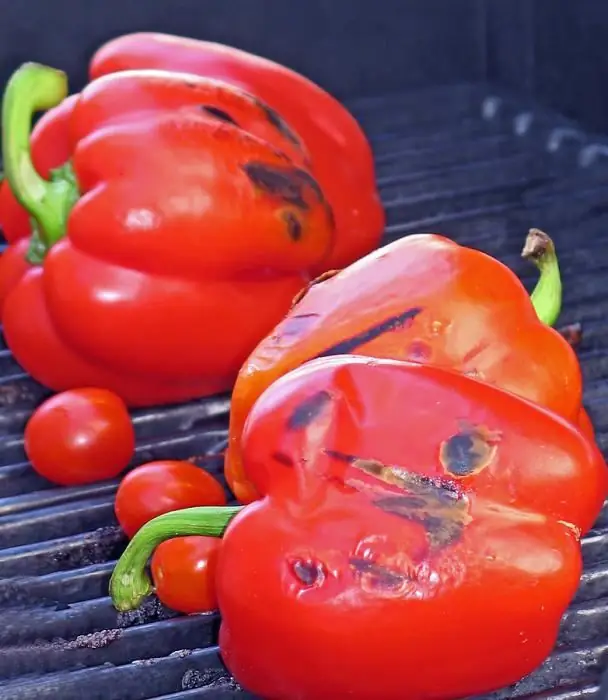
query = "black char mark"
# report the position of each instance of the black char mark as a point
(308, 572)
(305, 414)
(294, 225)
(443, 521)
(436, 504)
(218, 114)
(282, 458)
(468, 452)
(389, 325)
(381, 575)
(286, 183)
(279, 123)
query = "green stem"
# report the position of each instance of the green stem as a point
(33, 88)
(130, 583)
(547, 295)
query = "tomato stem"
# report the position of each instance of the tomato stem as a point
(130, 583)
(547, 295)
(33, 88)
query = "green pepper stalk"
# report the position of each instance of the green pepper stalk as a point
(33, 88)
(547, 295)
(130, 583)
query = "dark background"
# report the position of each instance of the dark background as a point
(554, 50)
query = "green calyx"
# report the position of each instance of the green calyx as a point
(130, 583)
(547, 294)
(33, 88)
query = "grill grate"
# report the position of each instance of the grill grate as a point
(478, 166)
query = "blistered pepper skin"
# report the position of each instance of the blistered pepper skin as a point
(194, 222)
(424, 299)
(421, 535)
(341, 157)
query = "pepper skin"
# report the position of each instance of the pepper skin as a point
(342, 160)
(425, 299)
(172, 241)
(420, 535)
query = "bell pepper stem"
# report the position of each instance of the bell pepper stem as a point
(547, 294)
(33, 88)
(130, 583)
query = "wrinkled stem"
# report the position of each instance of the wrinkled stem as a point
(33, 88)
(547, 295)
(130, 583)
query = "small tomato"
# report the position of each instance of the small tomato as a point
(80, 436)
(183, 571)
(161, 487)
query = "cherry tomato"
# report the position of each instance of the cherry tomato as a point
(80, 436)
(161, 487)
(183, 571)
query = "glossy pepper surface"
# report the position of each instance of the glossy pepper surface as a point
(341, 158)
(417, 536)
(424, 299)
(171, 241)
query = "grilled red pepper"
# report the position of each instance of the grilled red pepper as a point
(168, 245)
(341, 156)
(424, 299)
(418, 536)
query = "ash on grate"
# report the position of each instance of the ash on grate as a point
(209, 678)
(151, 610)
(99, 546)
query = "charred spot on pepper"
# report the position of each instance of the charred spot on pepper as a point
(390, 324)
(381, 576)
(309, 572)
(283, 459)
(331, 216)
(308, 410)
(219, 114)
(276, 120)
(286, 183)
(436, 504)
(469, 451)
(400, 476)
(303, 292)
(442, 522)
(294, 225)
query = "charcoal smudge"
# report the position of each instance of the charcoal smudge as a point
(279, 123)
(382, 576)
(286, 183)
(309, 409)
(393, 323)
(219, 114)
(294, 225)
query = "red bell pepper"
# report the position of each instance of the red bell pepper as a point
(341, 157)
(172, 240)
(424, 299)
(418, 535)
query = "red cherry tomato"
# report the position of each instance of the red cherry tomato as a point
(161, 487)
(80, 436)
(183, 571)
